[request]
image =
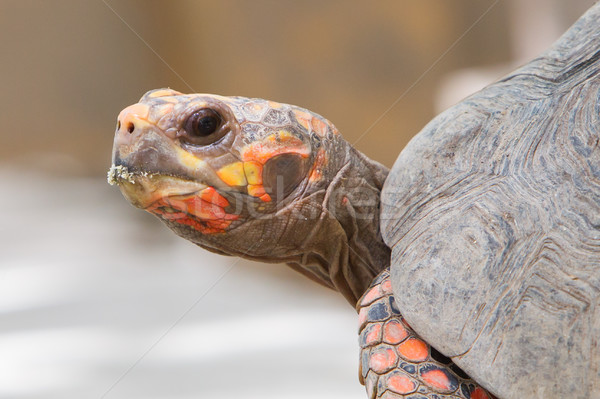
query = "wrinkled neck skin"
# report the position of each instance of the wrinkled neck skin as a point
(345, 250)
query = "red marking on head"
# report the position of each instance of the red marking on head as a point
(414, 349)
(437, 379)
(256, 190)
(370, 296)
(373, 334)
(317, 172)
(203, 212)
(205, 227)
(197, 206)
(211, 195)
(479, 393)
(265, 198)
(303, 118)
(394, 332)
(319, 127)
(401, 384)
(382, 360)
(264, 150)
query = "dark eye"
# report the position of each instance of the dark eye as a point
(203, 127)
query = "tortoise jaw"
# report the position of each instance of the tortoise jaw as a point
(142, 189)
(174, 199)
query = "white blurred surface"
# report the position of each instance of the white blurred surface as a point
(98, 300)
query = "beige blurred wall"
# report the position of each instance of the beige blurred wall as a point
(68, 66)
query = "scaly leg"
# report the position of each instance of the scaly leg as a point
(395, 363)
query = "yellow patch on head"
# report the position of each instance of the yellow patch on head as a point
(233, 174)
(253, 172)
(285, 135)
(190, 161)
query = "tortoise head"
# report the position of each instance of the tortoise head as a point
(221, 170)
(240, 176)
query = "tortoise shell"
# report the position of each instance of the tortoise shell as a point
(493, 216)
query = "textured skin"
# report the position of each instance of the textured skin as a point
(394, 362)
(493, 216)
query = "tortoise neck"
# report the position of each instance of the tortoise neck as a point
(345, 250)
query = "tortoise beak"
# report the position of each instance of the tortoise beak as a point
(144, 160)
(143, 189)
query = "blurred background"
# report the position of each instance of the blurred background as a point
(98, 299)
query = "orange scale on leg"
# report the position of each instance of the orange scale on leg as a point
(414, 350)
(439, 379)
(382, 360)
(386, 287)
(394, 332)
(479, 393)
(401, 384)
(373, 335)
(370, 296)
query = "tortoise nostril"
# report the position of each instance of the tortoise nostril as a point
(118, 125)
(130, 127)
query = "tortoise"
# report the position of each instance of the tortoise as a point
(473, 263)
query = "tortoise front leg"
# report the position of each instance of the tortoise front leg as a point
(395, 362)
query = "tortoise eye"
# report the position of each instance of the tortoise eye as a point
(204, 126)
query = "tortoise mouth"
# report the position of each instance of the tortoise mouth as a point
(174, 199)
(143, 188)
(118, 174)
